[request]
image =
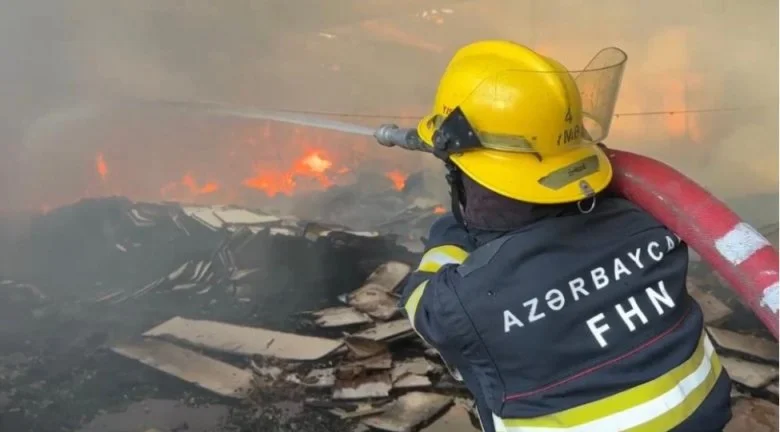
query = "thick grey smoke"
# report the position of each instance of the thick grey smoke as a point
(67, 62)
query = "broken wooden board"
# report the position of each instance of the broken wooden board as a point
(713, 309)
(388, 276)
(387, 330)
(374, 301)
(316, 378)
(753, 415)
(408, 411)
(361, 410)
(242, 340)
(368, 386)
(410, 381)
(360, 348)
(340, 317)
(412, 373)
(414, 366)
(382, 361)
(747, 373)
(456, 419)
(206, 372)
(746, 344)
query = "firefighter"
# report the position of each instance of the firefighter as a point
(561, 306)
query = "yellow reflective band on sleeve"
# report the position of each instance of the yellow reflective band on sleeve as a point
(414, 300)
(440, 256)
(657, 405)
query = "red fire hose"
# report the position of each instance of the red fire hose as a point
(742, 256)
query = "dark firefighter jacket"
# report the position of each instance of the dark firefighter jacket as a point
(580, 322)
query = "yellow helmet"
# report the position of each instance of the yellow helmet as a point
(524, 113)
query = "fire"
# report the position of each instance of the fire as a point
(314, 165)
(100, 165)
(398, 178)
(272, 182)
(439, 210)
(187, 184)
(193, 187)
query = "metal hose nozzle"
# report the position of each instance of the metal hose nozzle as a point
(391, 135)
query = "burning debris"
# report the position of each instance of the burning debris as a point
(109, 302)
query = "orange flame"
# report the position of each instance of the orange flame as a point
(314, 164)
(439, 210)
(193, 187)
(398, 178)
(100, 165)
(187, 184)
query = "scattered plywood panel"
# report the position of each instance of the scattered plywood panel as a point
(408, 411)
(772, 388)
(412, 373)
(416, 366)
(382, 361)
(456, 419)
(747, 344)
(244, 340)
(750, 374)
(360, 347)
(374, 301)
(713, 309)
(387, 330)
(361, 410)
(753, 415)
(213, 375)
(340, 317)
(388, 276)
(368, 386)
(411, 381)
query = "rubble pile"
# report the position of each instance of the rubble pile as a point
(282, 323)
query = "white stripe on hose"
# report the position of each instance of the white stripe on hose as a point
(740, 243)
(770, 297)
(639, 414)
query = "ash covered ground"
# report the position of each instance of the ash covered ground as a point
(83, 279)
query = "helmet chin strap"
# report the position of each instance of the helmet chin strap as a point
(457, 196)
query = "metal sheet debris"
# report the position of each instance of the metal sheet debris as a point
(244, 340)
(747, 344)
(408, 411)
(387, 330)
(750, 374)
(213, 375)
(237, 216)
(340, 317)
(205, 216)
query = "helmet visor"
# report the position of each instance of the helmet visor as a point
(587, 121)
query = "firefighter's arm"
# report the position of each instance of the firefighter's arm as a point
(428, 297)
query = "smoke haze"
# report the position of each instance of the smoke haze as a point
(71, 125)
